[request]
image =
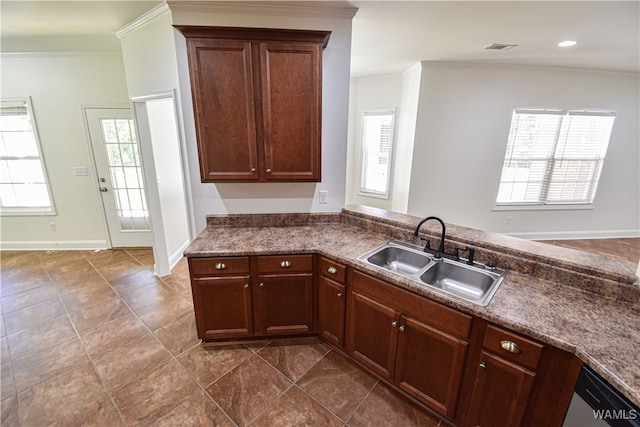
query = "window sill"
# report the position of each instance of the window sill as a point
(27, 212)
(374, 195)
(555, 207)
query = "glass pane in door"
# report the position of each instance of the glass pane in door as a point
(125, 172)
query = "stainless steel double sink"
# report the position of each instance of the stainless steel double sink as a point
(474, 283)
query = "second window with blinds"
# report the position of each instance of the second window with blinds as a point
(375, 155)
(554, 158)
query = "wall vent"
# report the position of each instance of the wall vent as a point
(500, 46)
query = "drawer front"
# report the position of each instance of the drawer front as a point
(285, 263)
(206, 267)
(332, 270)
(513, 347)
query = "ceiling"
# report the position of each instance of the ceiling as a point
(390, 36)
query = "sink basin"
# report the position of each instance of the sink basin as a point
(399, 260)
(474, 283)
(458, 279)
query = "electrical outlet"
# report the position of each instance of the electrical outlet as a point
(81, 171)
(52, 226)
(509, 220)
(322, 197)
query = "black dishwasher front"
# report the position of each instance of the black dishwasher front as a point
(596, 403)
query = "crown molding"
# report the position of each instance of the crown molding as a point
(157, 12)
(322, 9)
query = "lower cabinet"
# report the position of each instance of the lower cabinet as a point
(331, 301)
(242, 297)
(415, 343)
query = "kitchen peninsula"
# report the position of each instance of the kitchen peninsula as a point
(554, 302)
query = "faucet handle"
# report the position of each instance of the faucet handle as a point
(427, 246)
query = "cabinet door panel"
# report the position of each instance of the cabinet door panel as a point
(331, 306)
(222, 307)
(372, 335)
(285, 304)
(500, 394)
(291, 99)
(223, 96)
(430, 365)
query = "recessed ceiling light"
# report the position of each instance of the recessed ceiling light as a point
(567, 43)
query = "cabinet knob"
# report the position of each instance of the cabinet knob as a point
(246, 285)
(401, 328)
(483, 365)
(394, 323)
(332, 270)
(221, 266)
(339, 294)
(261, 284)
(268, 170)
(254, 170)
(510, 346)
(285, 264)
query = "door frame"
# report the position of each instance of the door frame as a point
(163, 263)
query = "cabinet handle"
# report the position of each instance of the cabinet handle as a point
(332, 270)
(268, 170)
(510, 346)
(221, 266)
(261, 284)
(483, 365)
(285, 264)
(401, 328)
(394, 323)
(254, 170)
(339, 294)
(246, 285)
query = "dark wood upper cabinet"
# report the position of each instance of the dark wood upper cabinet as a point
(257, 97)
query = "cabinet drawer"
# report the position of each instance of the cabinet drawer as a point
(203, 267)
(332, 270)
(511, 346)
(285, 263)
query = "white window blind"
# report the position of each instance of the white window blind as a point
(554, 157)
(23, 183)
(377, 140)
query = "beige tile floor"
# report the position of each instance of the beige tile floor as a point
(94, 338)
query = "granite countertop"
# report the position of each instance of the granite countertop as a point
(602, 329)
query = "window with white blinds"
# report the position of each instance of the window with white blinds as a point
(24, 189)
(377, 140)
(554, 157)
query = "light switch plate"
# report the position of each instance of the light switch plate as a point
(322, 197)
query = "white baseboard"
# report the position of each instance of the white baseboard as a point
(175, 257)
(52, 245)
(576, 235)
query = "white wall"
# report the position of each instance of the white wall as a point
(371, 94)
(59, 85)
(275, 197)
(462, 126)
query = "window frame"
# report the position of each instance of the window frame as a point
(23, 210)
(361, 145)
(545, 204)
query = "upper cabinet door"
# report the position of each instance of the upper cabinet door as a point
(224, 103)
(291, 108)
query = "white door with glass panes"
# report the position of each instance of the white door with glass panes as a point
(119, 175)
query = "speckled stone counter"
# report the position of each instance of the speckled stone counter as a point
(583, 303)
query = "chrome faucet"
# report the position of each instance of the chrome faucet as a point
(440, 251)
